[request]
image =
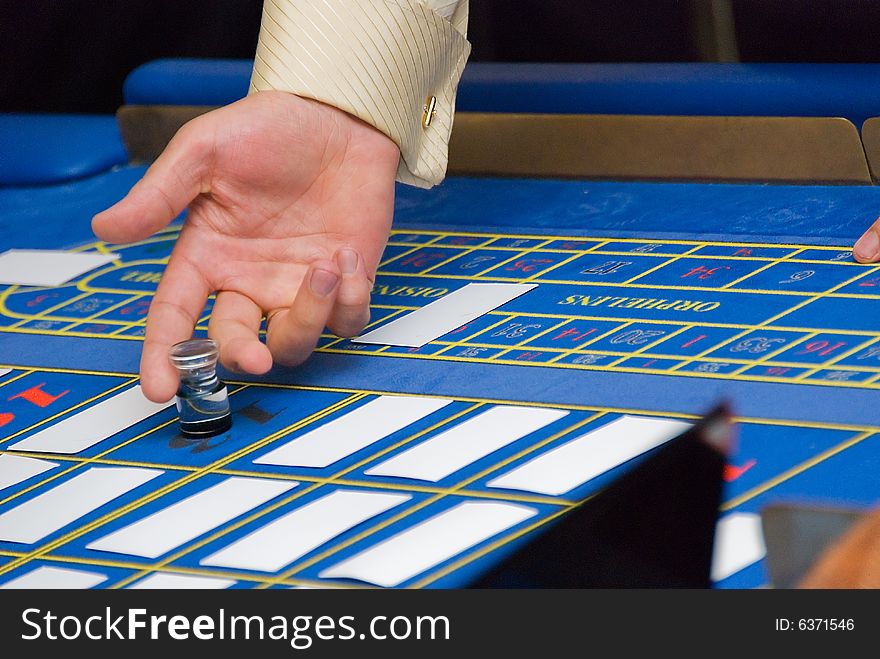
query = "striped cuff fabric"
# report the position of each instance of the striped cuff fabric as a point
(378, 60)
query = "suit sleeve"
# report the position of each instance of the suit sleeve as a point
(379, 60)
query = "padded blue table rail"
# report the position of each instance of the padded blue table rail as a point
(44, 149)
(828, 90)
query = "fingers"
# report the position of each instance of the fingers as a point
(867, 248)
(235, 325)
(293, 332)
(175, 310)
(169, 185)
(351, 313)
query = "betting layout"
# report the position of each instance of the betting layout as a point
(378, 489)
(93, 477)
(737, 311)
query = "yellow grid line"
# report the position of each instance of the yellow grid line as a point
(694, 255)
(587, 283)
(201, 572)
(74, 371)
(414, 249)
(733, 503)
(84, 284)
(483, 551)
(640, 241)
(641, 351)
(95, 317)
(190, 547)
(9, 380)
(454, 490)
(348, 482)
(77, 406)
(102, 248)
(522, 252)
(784, 259)
(660, 266)
(42, 315)
(580, 347)
(465, 341)
(563, 262)
(78, 464)
(507, 401)
(773, 353)
(98, 458)
(833, 362)
(772, 483)
(772, 319)
(582, 350)
(73, 333)
(619, 369)
(522, 344)
(618, 319)
(794, 471)
(337, 339)
(465, 250)
(174, 485)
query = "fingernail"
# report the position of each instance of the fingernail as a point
(348, 260)
(323, 282)
(868, 246)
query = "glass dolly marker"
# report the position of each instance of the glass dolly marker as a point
(202, 400)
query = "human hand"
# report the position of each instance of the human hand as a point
(290, 204)
(867, 248)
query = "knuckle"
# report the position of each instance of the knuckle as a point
(288, 355)
(163, 307)
(354, 296)
(351, 324)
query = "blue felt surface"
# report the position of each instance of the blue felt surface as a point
(54, 216)
(57, 216)
(50, 149)
(506, 382)
(781, 213)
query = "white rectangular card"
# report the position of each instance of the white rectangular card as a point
(409, 553)
(739, 542)
(283, 540)
(15, 469)
(353, 431)
(470, 440)
(169, 581)
(186, 520)
(565, 467)
(48, 267)
(4, 371)
(47, 577)
(54, 509)
(440, 317)
(93, 425)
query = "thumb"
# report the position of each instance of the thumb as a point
(867, 249)
(170, 184)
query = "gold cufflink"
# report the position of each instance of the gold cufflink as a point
(430, 111)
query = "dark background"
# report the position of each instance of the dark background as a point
(72, 55)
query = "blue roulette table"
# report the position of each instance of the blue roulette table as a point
(654, 300)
